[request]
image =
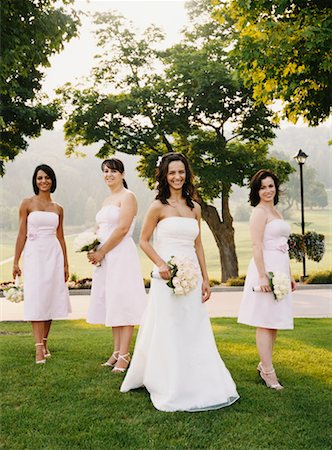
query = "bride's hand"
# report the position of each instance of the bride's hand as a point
(164, 271)
(206, 291)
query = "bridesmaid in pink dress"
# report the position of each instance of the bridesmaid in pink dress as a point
(118, 295)
(41, 236)
(269, 235)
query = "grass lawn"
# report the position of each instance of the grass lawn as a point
(73, 403)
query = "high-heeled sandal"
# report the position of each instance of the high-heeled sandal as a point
(47, 353)
(277, 386)
(40, 361)
(113, 355)
(259, 367)
(122, 369)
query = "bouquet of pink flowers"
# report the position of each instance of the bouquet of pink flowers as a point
(184, 275)
(279, 284)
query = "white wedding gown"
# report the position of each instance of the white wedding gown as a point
(176, 357)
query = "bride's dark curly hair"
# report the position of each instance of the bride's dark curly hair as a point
(188, 189)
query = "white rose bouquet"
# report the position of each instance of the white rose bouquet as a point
(279, 284)
(14, 294)
(184, 276)
(86, 241)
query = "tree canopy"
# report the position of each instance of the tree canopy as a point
(186, 98)
(283, 50)
(31, 32)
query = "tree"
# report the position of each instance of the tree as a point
(185, 105)
(283, 51)
(31, 32)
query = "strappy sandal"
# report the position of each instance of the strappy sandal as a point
(40, 361)
(122, 369)
(47, 353)
(277, 386)
(113, 355)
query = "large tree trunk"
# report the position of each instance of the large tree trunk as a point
(223, 233)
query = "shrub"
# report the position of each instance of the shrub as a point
(237, 281)
(323, 277)
(314, 245)
(296, 247)
(73, 277)
(311, 244)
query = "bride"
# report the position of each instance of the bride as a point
(176, 357)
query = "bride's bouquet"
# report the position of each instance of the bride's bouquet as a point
(279, 284)
(14, 294)
(86, 242)
(184, 276)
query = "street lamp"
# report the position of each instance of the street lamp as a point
(300, 158)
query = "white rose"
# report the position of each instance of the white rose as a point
(178, 290)
(176, 281)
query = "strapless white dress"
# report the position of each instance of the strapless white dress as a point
(46, 294)
(260, 309)
(176, 357)
(118, 295)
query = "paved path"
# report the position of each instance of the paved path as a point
(224, 302)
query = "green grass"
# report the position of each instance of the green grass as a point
(320, 221)
(73, 403)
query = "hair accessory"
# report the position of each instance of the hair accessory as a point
(159, 161)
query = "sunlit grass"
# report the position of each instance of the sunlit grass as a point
(74, 403)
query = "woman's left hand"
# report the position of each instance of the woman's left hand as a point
(95, 257)
(206, 291)
(293, 284)
(66, 272)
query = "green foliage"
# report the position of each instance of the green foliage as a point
(214, 282)
(186, 108)
(236, 281)
(311, 245)
(187, 104)
(31, 32)
(73, 277)
(296, 246)
(314, 244)
(283, 50)
(322, 277)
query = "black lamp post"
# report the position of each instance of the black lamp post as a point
(300, 158)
